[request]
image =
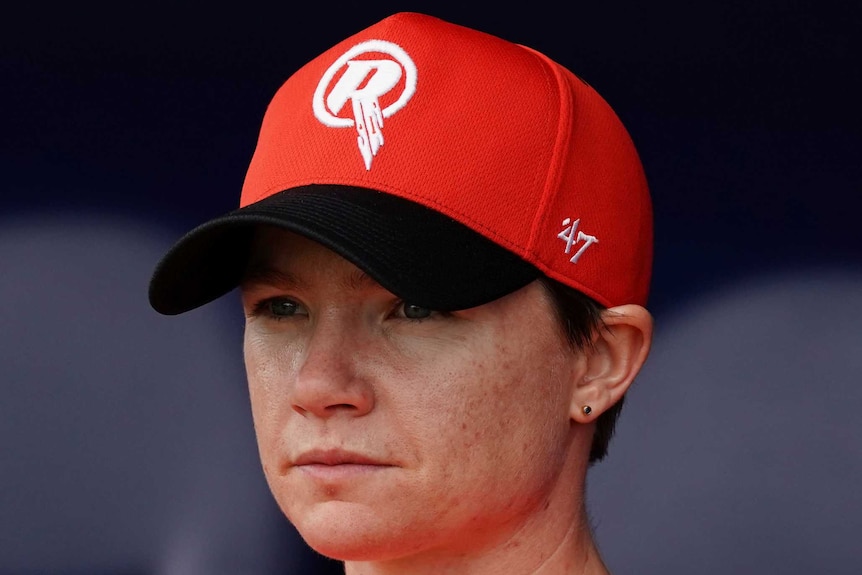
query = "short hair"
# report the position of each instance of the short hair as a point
(580, 317)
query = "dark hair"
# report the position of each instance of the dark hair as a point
(580, 317)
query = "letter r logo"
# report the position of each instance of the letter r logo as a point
(363, 83)
(384, 75)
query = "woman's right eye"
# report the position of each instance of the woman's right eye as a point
(279, 308)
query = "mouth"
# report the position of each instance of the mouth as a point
(333, 457)
(335, 464)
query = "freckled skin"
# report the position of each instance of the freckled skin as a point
(470, 411)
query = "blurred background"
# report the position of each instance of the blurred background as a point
(126, 444)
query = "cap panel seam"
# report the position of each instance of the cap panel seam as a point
(559, 151)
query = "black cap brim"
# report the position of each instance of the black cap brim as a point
(420, 255)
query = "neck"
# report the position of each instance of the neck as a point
(548, 544)
(571, 557)
(553, 538)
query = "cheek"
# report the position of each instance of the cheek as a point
(493, 437)
(522, 408)
(270, 363)
(268, 372)
(500, 412)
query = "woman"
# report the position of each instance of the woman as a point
(443, 249)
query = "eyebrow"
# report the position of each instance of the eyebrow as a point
(262, 273)
(358, 280)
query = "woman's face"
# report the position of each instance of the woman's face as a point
(387, 430)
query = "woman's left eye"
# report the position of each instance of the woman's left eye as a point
(406, 310)
(413, 311)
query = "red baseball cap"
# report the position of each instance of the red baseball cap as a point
(450, 165)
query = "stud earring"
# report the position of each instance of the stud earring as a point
(587, 410)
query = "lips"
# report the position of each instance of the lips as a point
(333, 457)
(333, 467)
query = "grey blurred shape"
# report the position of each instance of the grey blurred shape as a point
(739, 449)
(126, 441)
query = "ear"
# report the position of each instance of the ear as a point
(619, 349)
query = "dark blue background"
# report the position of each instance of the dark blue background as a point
(746, 115)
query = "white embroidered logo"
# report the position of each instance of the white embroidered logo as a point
(571, 235)
(363, 83)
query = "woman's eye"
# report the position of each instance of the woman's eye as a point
(412, 311)
(279, 308)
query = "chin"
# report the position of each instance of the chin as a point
(353, 532)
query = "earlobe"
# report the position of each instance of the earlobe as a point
(619, 349)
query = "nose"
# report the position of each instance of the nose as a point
(330, 381)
